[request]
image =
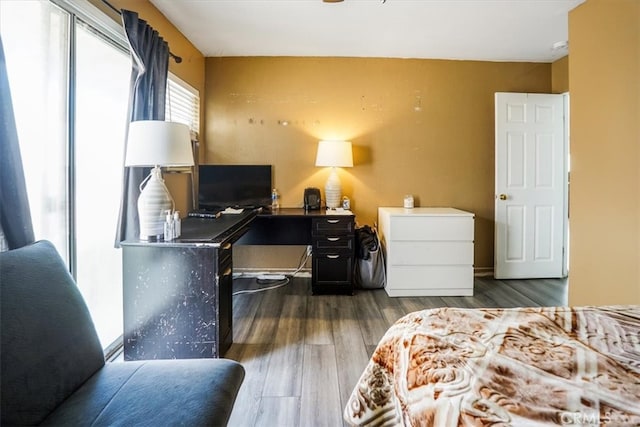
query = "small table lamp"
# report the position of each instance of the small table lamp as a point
(156, 143)
(334, 154)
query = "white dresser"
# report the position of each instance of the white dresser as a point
(429, 251)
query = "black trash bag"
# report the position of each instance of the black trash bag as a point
(369, 266)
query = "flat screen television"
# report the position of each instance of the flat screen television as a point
(237, 186)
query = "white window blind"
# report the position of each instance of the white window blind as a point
(183, 104)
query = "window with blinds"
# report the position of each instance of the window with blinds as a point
(183, 104)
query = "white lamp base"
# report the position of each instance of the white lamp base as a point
(333, 190)
(153, 204)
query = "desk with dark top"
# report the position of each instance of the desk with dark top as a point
(178, 294)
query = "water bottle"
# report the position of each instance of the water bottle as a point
(275, 200)
(168, 227)
(176, 225)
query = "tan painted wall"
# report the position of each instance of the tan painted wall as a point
(191, 70)
(424, 127)
(604, 76)
(560, 75)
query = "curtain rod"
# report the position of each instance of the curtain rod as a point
(112, 7)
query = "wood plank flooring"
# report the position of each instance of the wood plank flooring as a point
(303, 354)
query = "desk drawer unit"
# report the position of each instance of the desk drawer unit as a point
(333, 244)
(429, 251)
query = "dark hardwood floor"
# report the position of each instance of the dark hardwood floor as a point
(303, 354)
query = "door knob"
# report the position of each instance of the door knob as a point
(503, 197)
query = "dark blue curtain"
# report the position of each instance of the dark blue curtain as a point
(15, 216)
(150, 65)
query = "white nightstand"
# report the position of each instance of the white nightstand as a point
(429, 251)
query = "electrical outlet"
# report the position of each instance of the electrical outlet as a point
(308, 250)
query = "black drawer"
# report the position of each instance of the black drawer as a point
(333, 242)
(332, 269)
(333, 225)
(225, 303)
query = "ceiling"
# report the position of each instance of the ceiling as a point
(491, 30)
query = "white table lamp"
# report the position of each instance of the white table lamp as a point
(334, 154)
(155, 143)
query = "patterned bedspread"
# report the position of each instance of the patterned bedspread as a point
(503, 367)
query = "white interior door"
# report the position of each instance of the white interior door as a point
(531, 186)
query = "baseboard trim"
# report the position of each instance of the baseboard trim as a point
(483, 272)
(306, 272)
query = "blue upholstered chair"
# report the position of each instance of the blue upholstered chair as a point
(53, 370)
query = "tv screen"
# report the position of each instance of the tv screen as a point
(223, 186)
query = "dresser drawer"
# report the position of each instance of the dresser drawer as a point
(333, 268)
(332, 225)
(430, 280)
(334, 242)
(432, 228)
(430, 253)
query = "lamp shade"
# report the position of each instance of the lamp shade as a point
(334, 153)
(158, 143)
